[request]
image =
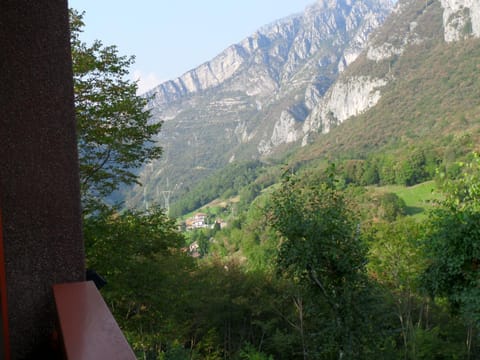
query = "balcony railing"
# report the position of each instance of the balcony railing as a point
(87, 328)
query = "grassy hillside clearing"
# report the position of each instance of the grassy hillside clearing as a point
(418, 198)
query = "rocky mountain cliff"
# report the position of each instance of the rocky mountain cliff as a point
(257, 96)
(414, 22)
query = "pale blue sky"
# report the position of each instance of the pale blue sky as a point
(169, 38)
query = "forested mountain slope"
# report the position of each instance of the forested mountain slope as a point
(427, 104)
(430, 92)
(252, 99)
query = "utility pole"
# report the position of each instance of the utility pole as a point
(166, 196)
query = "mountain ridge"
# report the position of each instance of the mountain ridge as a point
(253, 114)
(252, 99)
(205, 76)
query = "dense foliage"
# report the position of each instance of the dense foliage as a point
(306, 274)
(223, 183)
(320, 248)
(173, 307)
(454, 247)
(114, 134)
(324, 264)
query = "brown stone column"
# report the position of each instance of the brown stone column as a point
(39, 184)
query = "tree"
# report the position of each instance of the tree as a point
(390, 206)
(115, 136)
(453, 245)
(321, 249)
(140, 256)
(396, 260)
(370, 173)
(411, 170)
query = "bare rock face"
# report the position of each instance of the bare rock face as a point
(344, 100)
(277, 52)
(461, 19)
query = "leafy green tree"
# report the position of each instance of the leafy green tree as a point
(139, 254)
(202, 238)
(115, 136)
(387, 170)
(250, 353)
(247, 195)
(260, 242)
(390, 206)
(453, 244)
(353, 171)
(321, 249)
(411, 170)
(370, 174)
(396, 261)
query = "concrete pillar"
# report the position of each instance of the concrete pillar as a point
(39, 184)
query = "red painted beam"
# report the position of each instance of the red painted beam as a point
(87, 327)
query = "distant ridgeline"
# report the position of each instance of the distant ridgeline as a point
(285, 94)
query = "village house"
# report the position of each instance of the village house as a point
(198, 221)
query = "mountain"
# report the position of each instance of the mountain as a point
(258, 96)
(413, 23)
(414, 84)
(411, 82)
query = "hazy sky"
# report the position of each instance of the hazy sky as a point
(169, 38)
